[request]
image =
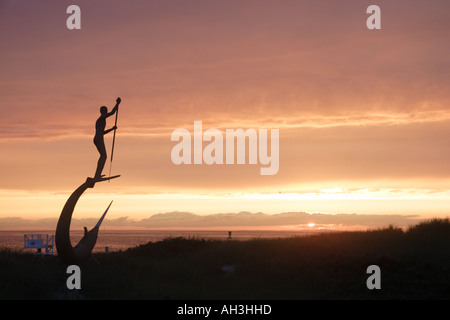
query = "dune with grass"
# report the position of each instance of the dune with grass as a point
(414, 264)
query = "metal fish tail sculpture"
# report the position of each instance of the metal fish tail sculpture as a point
(83, 250)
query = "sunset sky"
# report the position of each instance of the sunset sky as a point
(363, 115)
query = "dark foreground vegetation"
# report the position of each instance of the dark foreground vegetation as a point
(414, 264)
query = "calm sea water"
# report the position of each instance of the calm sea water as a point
(122, 240)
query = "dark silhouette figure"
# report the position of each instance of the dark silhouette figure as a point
(83, 250)
(100, 131)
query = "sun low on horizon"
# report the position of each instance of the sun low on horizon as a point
(284, 115)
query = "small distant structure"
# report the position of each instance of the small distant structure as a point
(229, 235)
(39, 242)
(228, 269)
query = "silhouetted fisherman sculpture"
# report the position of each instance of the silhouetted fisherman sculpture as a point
(83, 250)
(99, 142)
